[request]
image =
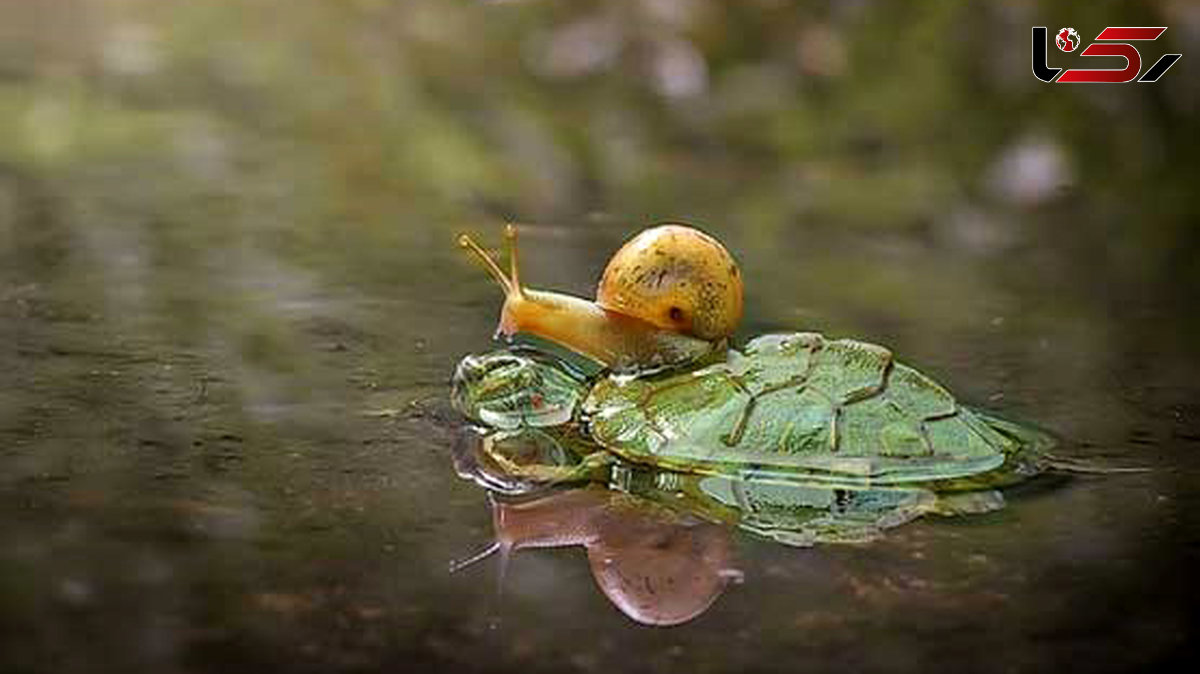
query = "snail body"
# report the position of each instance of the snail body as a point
(670, 295)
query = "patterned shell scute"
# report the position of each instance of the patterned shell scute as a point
(647, 416)
(796, 404)
(773, 360)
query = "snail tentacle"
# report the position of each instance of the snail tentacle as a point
(510, 235)
(466, 242)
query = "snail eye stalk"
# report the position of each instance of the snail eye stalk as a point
(511, 284)
(510, 235)
(467, 243)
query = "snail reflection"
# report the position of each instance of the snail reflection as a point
(795, 437)
(659, 564)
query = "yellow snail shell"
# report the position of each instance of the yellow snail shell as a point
(676, 278)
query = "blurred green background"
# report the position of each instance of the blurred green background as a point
(380, 124)
(230, 302)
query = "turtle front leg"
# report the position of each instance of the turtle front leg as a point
(594, 467)
(532, 455)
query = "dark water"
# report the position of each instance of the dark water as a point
(230, 303)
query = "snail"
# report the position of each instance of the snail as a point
(670, 295)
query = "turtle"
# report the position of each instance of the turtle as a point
(807, 439)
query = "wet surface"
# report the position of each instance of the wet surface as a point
(231, 302)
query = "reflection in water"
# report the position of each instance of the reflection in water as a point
(658, 541)
(659, 565)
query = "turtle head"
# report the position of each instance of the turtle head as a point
(506, 389)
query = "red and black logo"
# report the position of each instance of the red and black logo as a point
(1067, 39)
(1112, 41)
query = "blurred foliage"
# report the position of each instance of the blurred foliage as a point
(189, 165)
(334, 119)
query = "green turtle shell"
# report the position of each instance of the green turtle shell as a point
(798, 405)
